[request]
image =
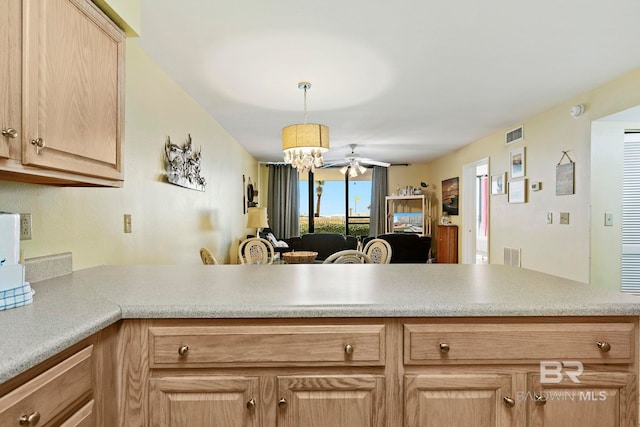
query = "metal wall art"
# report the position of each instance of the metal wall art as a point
(182, 165)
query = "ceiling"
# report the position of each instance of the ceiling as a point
(408, 81)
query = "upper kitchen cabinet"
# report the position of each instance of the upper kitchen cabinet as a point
(10, 78)
(71, 97)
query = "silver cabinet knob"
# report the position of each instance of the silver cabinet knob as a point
(603, 346)
(539, 400)
(509, 402)
(10, 133)
(282, 403)
(182, 351)
(251, 404)
(30, 420)
(444, 347)
(38, 143)
(348, 349)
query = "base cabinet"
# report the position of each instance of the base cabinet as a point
(599, 399)
(397, 372)
(204, 401)
(336, 401)
(447, 244)
(51, 397)
(465, 400)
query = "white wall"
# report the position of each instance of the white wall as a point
(607, 162)
(170, 223)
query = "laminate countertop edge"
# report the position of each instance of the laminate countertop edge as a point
(69, 308)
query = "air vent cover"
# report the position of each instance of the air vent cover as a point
(511, 257)
(514, 135)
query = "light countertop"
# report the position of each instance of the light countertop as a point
(70, 308)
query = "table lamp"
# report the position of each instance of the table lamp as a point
(257, 219)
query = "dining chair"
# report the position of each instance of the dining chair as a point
(379, 250)
(255, 250)
(207, 257)
(348, 256)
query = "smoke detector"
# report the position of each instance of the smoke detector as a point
(576, 110)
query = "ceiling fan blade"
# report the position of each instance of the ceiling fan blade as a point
(333, 163)
(374, 162)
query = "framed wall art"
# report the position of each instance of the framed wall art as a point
(518, 190)
(517, 163)
(499, 183)
(450, 195)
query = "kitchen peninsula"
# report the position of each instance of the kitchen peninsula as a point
(290, 345)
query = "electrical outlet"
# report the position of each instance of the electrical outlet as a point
(608, 220)
(127, 223)
(25, 226)
(564, 217)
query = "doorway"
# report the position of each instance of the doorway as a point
(475, 214)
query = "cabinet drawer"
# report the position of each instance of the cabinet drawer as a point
(519, 343)
(50, 393)
(323, 345)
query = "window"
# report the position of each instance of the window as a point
(330, 207)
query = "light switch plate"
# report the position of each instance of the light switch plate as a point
(564, 217)
(549, 217)
(127, 223)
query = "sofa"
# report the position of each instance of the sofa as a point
(323, 243)
(406, 247)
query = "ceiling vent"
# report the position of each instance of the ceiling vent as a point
(514, 135)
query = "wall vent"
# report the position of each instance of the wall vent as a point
(514, 135)
(512, 257)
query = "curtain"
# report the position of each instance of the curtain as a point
(284, 197)
(378, 201)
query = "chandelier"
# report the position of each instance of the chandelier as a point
(303, 144)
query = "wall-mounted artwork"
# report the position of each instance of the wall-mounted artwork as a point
(499, 183)
(517, 163)
(450, 195)
(518, 190)
(565, 174)
(182, 165)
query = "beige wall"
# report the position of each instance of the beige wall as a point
(170, 223)
(563, 250)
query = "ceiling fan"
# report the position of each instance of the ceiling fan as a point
(353, 163)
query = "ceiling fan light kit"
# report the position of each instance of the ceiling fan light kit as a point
(304, 144)
(352, 163)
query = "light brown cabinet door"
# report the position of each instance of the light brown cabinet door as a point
(599, 399)
(335, 400)
(84, 417)
(204, 401)
(72, 88)
(10, 78)
(465, 400)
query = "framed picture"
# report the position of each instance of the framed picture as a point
(450, 195)
(499, 183)
(517, 163)
(518, 190)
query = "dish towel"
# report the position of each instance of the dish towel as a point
(16, 297)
